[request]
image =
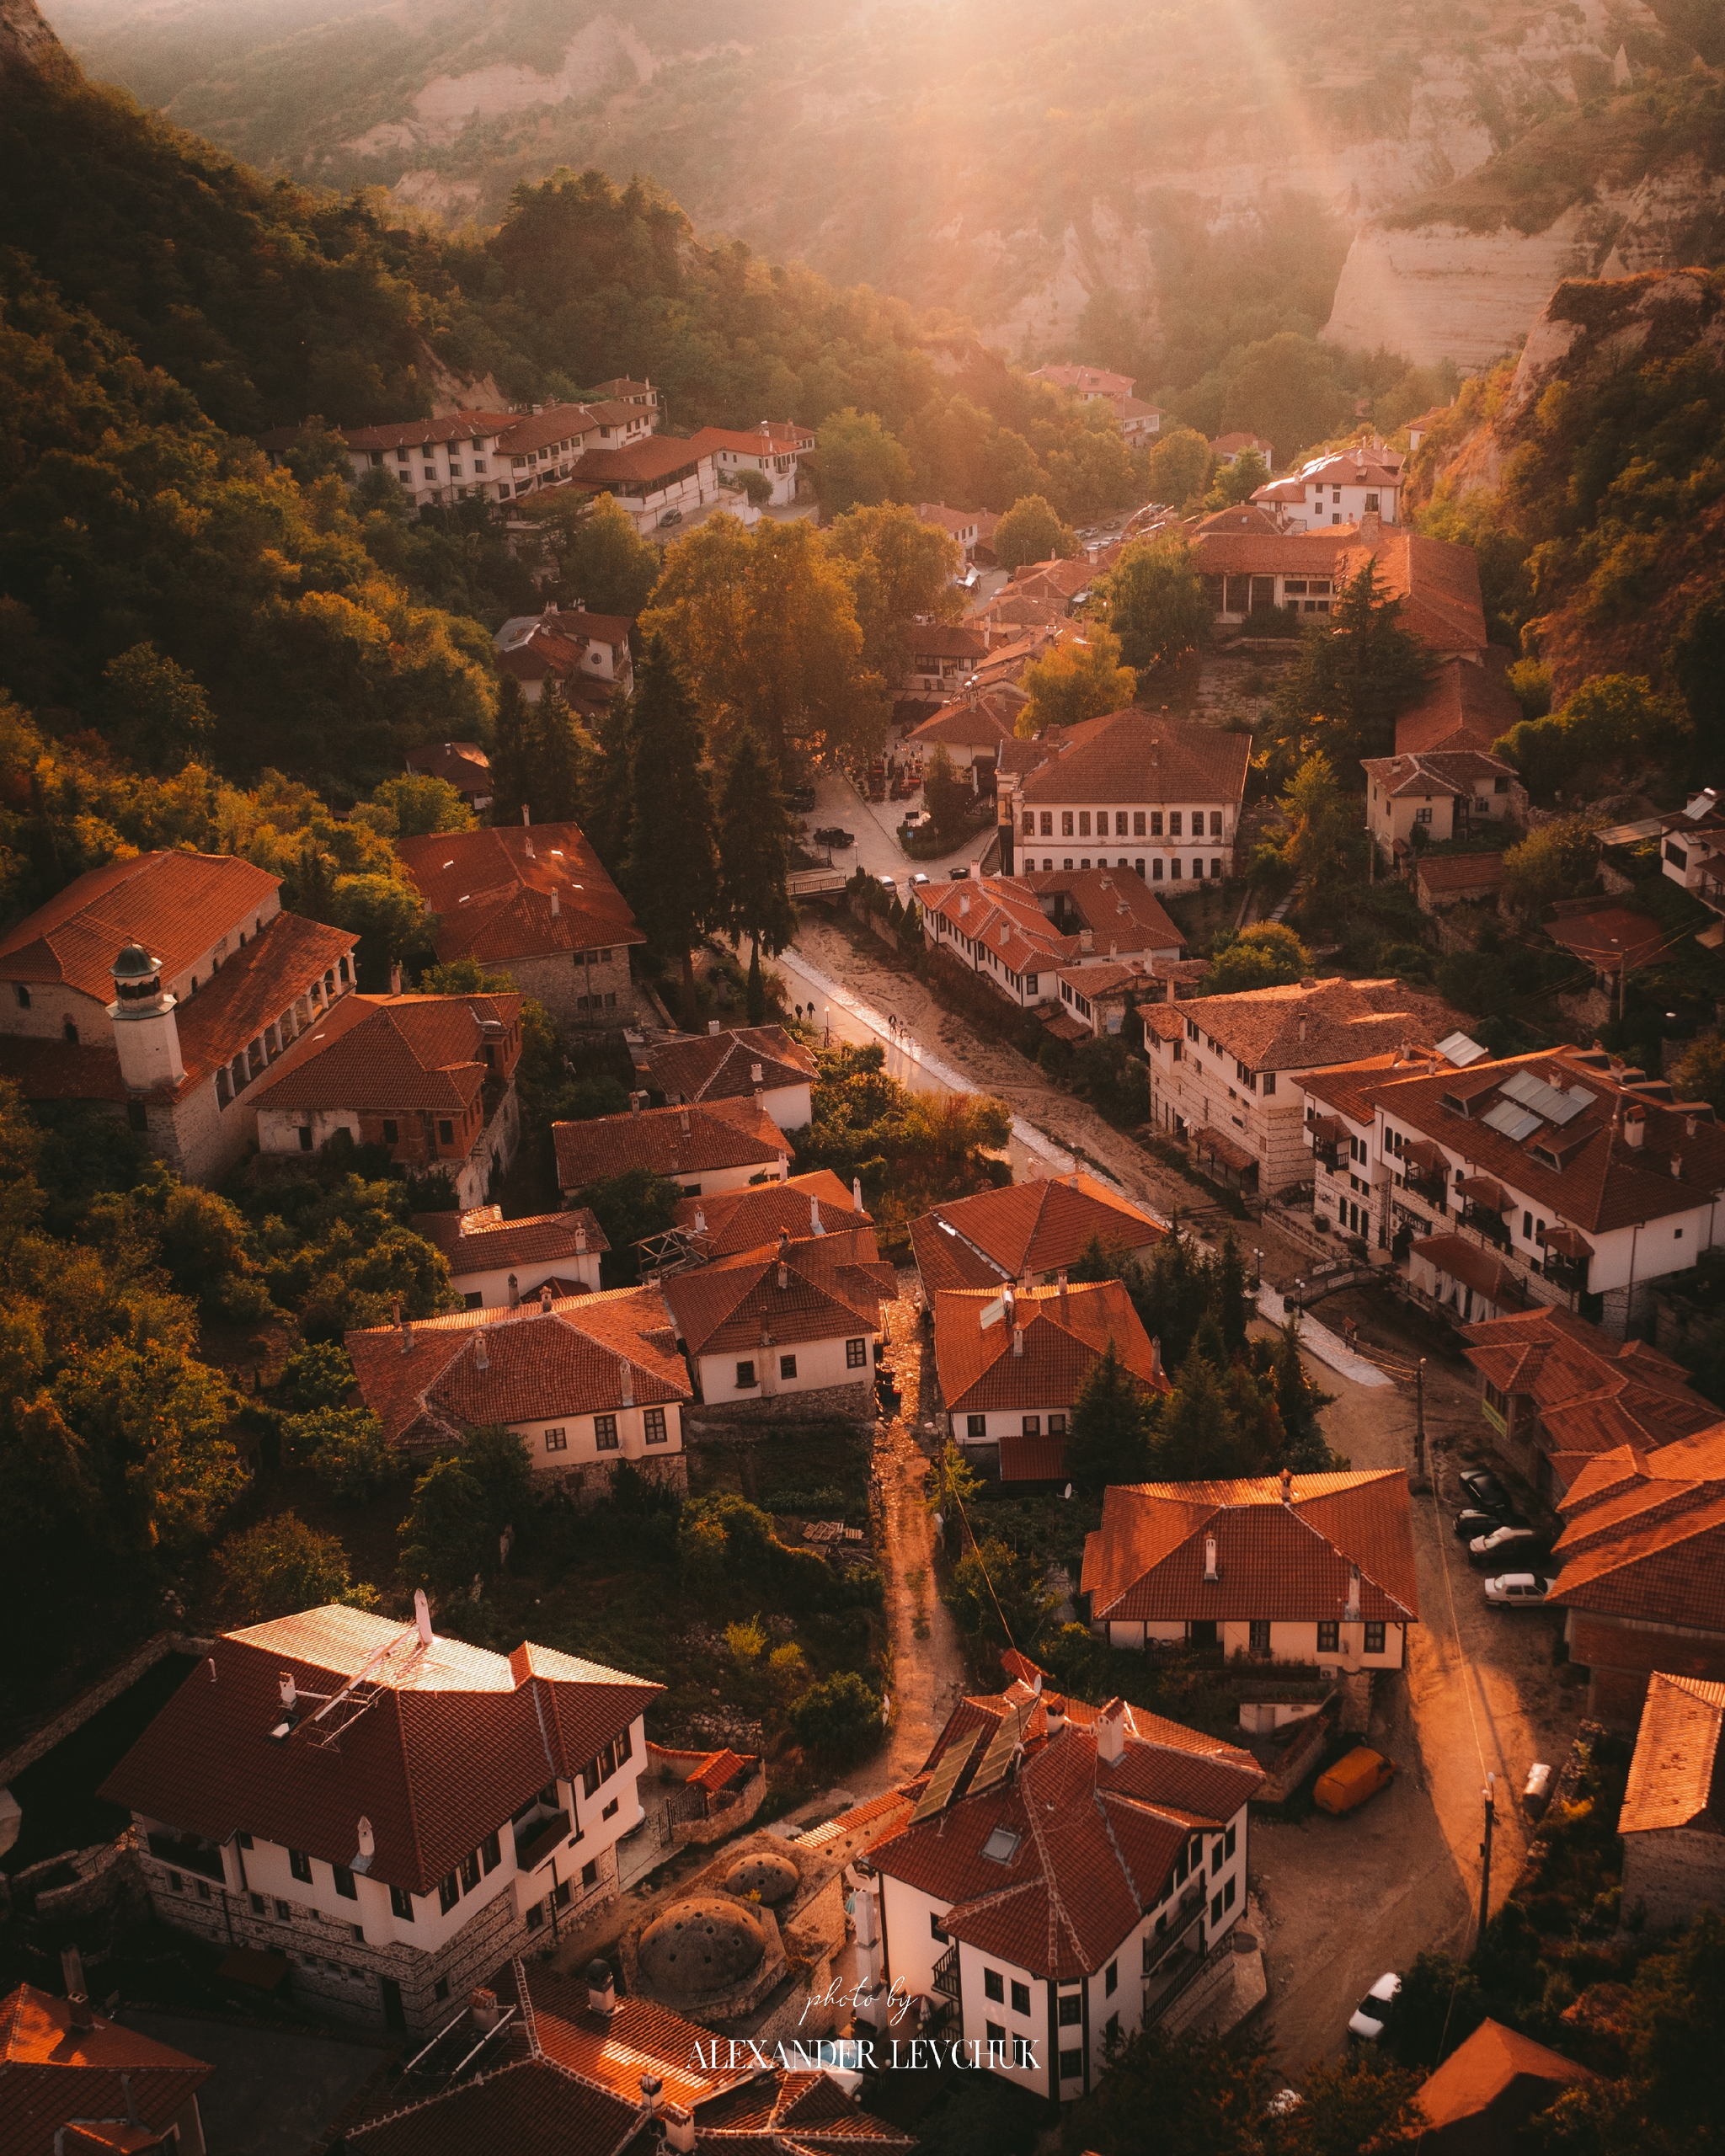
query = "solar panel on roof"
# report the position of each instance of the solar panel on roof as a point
(945, 1778)
(1570, 1105)
(1524, 1087)
(1460, 1049)
(1511, 1119)
(999, 1755)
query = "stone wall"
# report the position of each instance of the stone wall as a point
(1670, 1873)
(560, 982)
(1621, 1656)
(850, 1403)
(588, 1482)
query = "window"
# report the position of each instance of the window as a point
(1371, 501)
(934, 1929)
(654, 1419)
(391, 1131)
(976, 1425)
(1084, 823)
(1174, 869)
(1173, 823)
(401, 1904)
(1072, 2064)
(611, 1809)
(605, 1433)
(1375, 1637)
(1057, 1426)
(1156, 870)
(1267, 1080)
(1021, 1997)
(1047, 823)
(137, 1118)
(1259, 1631)
(344, 1883)
(1156, 823)
(994, 1985)
(1137, 823)
(1228, 1842)
(1071, 2010)
(1033, 984)
(1032, 1426)
(1228, 1895)
(556, 1441)
(1119, 823)
(995, 2033)
(300, 1864)
(746, 1376)
(855, 1354)
(1329, 1636)
(440, 1990)
(1111, 1979)
(446, 1131)
(535, 1916)
(305, 1137)
(260, 1907)
(449, 1891)
(470, 1872)
(1022, 2053)
(69, 1032)
(787, 1366)
(1215, 823)
(1422, 815)
(1216, 1907)
(1030, 823)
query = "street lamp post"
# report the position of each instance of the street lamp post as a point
(1300, 1295)
(1257, 1277)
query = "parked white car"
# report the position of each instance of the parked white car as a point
(1509, 1542)
(1518, 1590)
(1367, 2019)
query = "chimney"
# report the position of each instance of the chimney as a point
(407, 1331)
(1062, 1276)
(1689, 1126)
(1635, 1129)
(556, 906)
(545, 1299)
(482, 1360)
(1677, 1167)
(526, 814)
(626, 1380)
(367, 1839)
(580, 1239)
(857, 1193)
(1156, 1356)
(514, 1292)
(1054, 1707)
(1018, 1340)
(1308, 982)
(1211, 1574)
(72, 1968)
(713, 1025)
(652, 2088)
(1302, 1031)
(816, 1226)
(483, 2006)
(395, 978)
(679, 2123)
(683, 1121)
(755, 1073)
(1352, 1612)
(602, 1988)
(963, 904)
(1287, 1487)
(635, 1100)
(1086, 941)
(290, 1690)
(699, 1220)
(1111, 1732)
(422, 1617)
(784, 1276)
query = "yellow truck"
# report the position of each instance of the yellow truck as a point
(1360, 1773)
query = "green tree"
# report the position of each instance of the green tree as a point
(949, 798)
(1298, 1403)
(674, 884)
(1266, 955)
(159, 713)
(1560, 861)
(604, 564)
(858, 463)
(754, 860)
(1155, 603)
(608, 786)
(497, 1460)
(1081, 678)
(1238, 482)
(388, 916)
(512, 754)
(998, 1594)
(838, 1719)
(344, 1448)
(1197, 1437)
(421, 805)
(1107, 1442)
(281, 1566)
(629, 1206)
(1697, 662)
(1205, 2096)
(1177, 465)
(1032, 531)
(554, 772)
(1613, 722)
(1360, 2108)
(155, 1421)
(1701, 1076)
(1319, 838)
(316, 1375)
(1353, 677)
(445, 1539)
(953, 1484)
(900, 572)
(313, 887)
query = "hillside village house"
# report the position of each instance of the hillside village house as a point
(584, 1381)
(160, 987)
(464, 765)
(1027, 1233)
(394, 1812)
(1306, 572)
(74, 2082)
(430, 1078)
(499, 1264)
(1454, 879)
(1316, 1569)
(773, 449)
(733, 1222)
(1132, 790)
(1442, 793)
(1585, 1184)
(1673, 1820)
(1642, 1578)
(1069, 1874)
(1692, 848)
(1339, 489)
(1339, 1132)
(738, 1063)
(1555, 1392)
(719, 1146)
(587, 656)
(1012, 1362)
(943, 655)
(1228, 449)
(959, 524)
(1063, 582)
(537, 902)
(1017, 932)
(1096, 998)
(621, 389)
(975, 729)
(1139, 422)
(1226, 1071)
(1478, 2102)
(1463, 706)
(787, 1332)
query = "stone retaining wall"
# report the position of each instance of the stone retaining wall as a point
(849, 1403)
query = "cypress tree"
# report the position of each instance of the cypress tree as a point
(554, 774)
(313, 886)
(755, 858)
(672, 873)
(1106, 1443)
(509, 753)
(607, 774)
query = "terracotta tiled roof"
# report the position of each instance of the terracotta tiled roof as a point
(1133, 755)
(457, 1740)
(1677, 1777)
(52, 2073)
(537, 1367)
(1033, 1459)
(1649, 1544)
(1067, 576)
(462, 765)
(1061, 1334)
(1608, 937)
(1289, 1560)
(738, 1303)
(1084, 381)
(1222, 1145)
(492, 891)
(1333, 1021)
(381, 1052)
(451, 426)
(175, 904)
(1494, 2063)
(738, 1220)
(955, 521)
(1452, 773)
(1242, 516)
(946, 640)
(1118, 907)
(1585, 1174)
(474, 1244)
(254, 987)
(653, 460)
(1347, 1087)
(1483, 1270)
(673, 1142)
(1025, 1229)
(1448, 873)
(60, 1071)
(1463, 706)
(1437, 581)
(718, 1066)
(1096, 1842)
(964, 725)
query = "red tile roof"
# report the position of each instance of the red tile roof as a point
(493, 891)
(738, 1304)
(1242, 516)
(464, 765)
(1332, 1022)
(1288, 1561)
(1437, 582)
(409, 1052)
(1608, 937)
(1452, 773)
(52, 2073)
(537, 1367)
(411, 434)
(253, 988)
(1231, 444)
(1592, 1394)
(455, 1740)
(1645, 1538)
(61, 1070)
(1084, 381)
(987, 723)
(1026, 1229)
(1446, 874)
(738, 1220)
(1035, 1351)
(1677, 1777)
(1033, 1459)
(1347, 1086)
(673, 1142)
(720, 1066)
(654, 462)
(175, 904)
(1134, 755)
(1463, 706)
(1495, 2064)
(478, 1242)
(1483, 1270)
(1096, 1842)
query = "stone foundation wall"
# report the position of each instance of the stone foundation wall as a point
(850, 1403)
(1671, 1872)
(588, 1482)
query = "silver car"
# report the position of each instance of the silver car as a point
(1518, 1590)
(1367, 2019)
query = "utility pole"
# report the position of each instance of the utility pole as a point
(1419, 1481)
(1485, 1851)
